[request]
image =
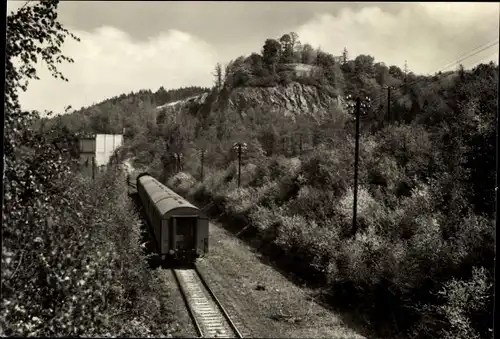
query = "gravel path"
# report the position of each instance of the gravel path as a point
(267, 303)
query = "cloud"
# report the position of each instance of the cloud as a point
(108, 63)
(427, 35)
(113, 58)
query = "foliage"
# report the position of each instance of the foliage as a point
(131, 114)
(69, 268)
(466, 298)
(182, 181)
(271, 53)
(71, 280)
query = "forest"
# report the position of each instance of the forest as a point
(418, 263)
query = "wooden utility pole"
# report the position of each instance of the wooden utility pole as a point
(202, 161)
(356, 161)
(357, 105)
(389, 116)
(406, 70)
(239, 147)
(178, 162)
(239, 165)
(389, 104)
(93, 168)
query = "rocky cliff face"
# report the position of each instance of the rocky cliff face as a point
(292, 99)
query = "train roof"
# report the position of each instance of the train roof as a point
(166, 200)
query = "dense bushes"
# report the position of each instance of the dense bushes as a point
(422, 246)
(398, 256)
(71, 258)
(82, 272)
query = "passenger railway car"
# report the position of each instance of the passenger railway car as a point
(180, 229)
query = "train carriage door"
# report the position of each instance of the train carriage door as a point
(185, 232)
(171, 232)
(165, 236)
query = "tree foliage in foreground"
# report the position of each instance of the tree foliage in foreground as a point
(71, 262)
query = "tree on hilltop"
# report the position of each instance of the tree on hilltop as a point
(271, 53)
(345, 56)
(218, 76)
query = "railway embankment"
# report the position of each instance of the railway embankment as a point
(276, 292)
(264, 300)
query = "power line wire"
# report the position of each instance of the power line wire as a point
(25, 4)
(466, 53)
(457, 60)
(482, 59)
(490, 44)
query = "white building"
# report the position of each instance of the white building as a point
(105, 145)
(98, 149)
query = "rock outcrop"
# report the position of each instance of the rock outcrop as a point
(292, 99)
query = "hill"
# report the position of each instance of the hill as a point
(130, 111)
(291, 78)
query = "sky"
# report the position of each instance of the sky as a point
(133, 45)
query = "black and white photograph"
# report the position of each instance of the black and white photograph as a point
(249, 169)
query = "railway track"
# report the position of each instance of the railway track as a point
(209, 317)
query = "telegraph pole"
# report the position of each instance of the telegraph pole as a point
(93, 168)
(406, 78)
(358, 106)
(389, 104)
(239, 165)
(239, 147)
(202, 160)
(406, 70)
(177, 157)
(356, 161)
(389, 117)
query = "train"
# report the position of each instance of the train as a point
(179, 229)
